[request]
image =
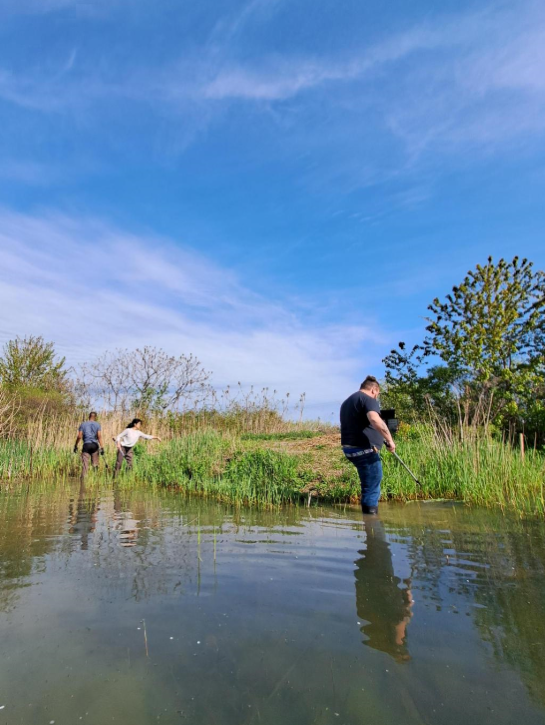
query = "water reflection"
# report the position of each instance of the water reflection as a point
(107, 508)
(243, 595)
(383, 600)
(123, 520)
(82, 515)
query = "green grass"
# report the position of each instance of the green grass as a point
(256, 471)
(209, 464)
(18, 459)
(482, 472)
(286, 436)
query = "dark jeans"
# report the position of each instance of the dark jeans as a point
(369, 468)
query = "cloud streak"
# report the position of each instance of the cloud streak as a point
(468, 78)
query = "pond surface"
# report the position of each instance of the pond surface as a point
(137, 606)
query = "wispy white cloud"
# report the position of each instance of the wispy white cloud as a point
(283, 77)
(90, 287)
(466, 79)
(474, 77)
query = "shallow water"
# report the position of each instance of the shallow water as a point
(133, 606)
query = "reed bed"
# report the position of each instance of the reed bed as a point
(287, 464)
(477, 470)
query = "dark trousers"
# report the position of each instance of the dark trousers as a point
(126, 454)
(87, 458)
(369, 468)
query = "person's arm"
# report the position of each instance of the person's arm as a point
(148, 437)
(79, 437)
(378, 424)
(100, 443)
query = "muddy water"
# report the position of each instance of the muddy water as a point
(132, 606)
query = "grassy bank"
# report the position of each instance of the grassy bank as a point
(274, 468)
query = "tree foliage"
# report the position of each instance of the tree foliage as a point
(32, 363)
(489, 335)
(490, 325)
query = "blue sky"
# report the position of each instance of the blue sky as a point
(278, 187)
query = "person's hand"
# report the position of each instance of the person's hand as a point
(157, 439)
(102, 451)
(390, 445)
(75, 449)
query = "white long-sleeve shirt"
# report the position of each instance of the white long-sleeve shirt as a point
(129, 437)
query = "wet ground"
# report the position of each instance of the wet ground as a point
(133, 606)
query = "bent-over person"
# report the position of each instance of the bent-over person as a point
(90, 432)
(363, 433)
(126, 441)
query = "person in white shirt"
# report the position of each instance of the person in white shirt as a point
(126, 441)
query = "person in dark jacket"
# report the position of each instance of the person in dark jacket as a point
(363, 433)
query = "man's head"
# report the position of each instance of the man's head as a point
(370, 386)
(92, 415)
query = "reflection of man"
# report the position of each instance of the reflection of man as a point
(82, 516)
(362, 434)
(385, 607)
(91, 433)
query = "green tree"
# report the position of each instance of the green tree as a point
(489, 334)
(32, 363)
(413, 394)
(490, 327)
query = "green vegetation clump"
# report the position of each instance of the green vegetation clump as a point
(211, 464)
(281, 436)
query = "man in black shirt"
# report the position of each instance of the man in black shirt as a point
(363, 433)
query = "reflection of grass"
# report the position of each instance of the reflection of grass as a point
(271, 470)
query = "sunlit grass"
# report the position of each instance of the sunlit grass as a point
(282, 467)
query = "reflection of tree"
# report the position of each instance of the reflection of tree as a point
(490, 560)
(512, 618)
(385, 607)
(29, 524)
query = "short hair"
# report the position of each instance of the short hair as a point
(370, 382)
(93, 412)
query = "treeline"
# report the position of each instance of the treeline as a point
(481, 362)
(39, 390)
(479, 367)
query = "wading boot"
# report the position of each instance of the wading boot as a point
(369, 509)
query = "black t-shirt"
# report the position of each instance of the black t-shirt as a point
(355, 427)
